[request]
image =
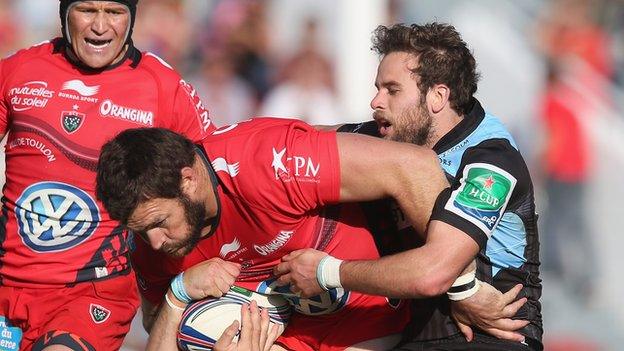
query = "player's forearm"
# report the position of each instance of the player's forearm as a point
(149, 312)
(163, 333)
(426, 271)
(408, 274)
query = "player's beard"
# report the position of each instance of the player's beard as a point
(195, 214)
(413, 125)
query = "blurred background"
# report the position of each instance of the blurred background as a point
(553, 71)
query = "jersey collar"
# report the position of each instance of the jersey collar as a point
(213, 222)
(132, 54)
(467, 125)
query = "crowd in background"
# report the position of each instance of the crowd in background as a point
(572, 55)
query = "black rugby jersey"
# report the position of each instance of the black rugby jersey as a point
(491, 199)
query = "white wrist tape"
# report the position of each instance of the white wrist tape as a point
(172, 305)
(328, 273)
(464, 287)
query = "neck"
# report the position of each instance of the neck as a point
(443, 123)
(206, 189)
(208, 192)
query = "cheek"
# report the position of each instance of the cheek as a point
(121, 25)
(399, 104)
(77, 22)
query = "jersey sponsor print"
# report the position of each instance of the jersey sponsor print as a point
(55, 216)
(10, 336)
(482, 196)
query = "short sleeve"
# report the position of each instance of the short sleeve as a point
(279, 165)
(192, 119)
(368, 128)
(490, 177)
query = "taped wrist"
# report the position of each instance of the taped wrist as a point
(464, 287)
(328, 273)
(178, 290)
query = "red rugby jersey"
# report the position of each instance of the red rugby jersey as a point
(52, 230)
(276, 178)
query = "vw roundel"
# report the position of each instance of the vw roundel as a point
(55, 216)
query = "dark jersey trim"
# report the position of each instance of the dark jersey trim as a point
(443, 215)
(213, 222)
(368, 128)
(467, 125)
(61, 46)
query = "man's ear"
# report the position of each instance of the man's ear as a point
(189, 180)
(438, 98)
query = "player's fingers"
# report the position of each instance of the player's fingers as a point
(284, 279)
(508, 324)
(511, 309)
(275, 331)
(233, 269)
(292, 255)
(511, 295)
(295, 289)
(227, 338)
(229, 280)
(264, 327)
(281, 268)
(222, 286)
(255, 325)
(506, 335)
(221, 277)
(246, 327)
(466, 330)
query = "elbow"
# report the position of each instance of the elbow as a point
(432, 283)
(433, 287)
(425, 158)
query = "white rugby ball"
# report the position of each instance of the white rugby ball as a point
(204, 321)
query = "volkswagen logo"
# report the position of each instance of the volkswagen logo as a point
(55, 216)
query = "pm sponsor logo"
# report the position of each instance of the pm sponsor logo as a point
(34, 94)
(110, 109)
(483, 195)
(54, 216)
(303, 168)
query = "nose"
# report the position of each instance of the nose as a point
(100, 23)
(378, 101)
(156, 237)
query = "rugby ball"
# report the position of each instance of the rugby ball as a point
(204, 321)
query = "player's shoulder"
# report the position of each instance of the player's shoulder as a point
(260, 129)
(160, 68)
(250, 146)
(492, 128)
(25, 55)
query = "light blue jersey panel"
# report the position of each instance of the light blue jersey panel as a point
(505, 247)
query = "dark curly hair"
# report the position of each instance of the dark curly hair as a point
(443, 58)
(141, 164)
